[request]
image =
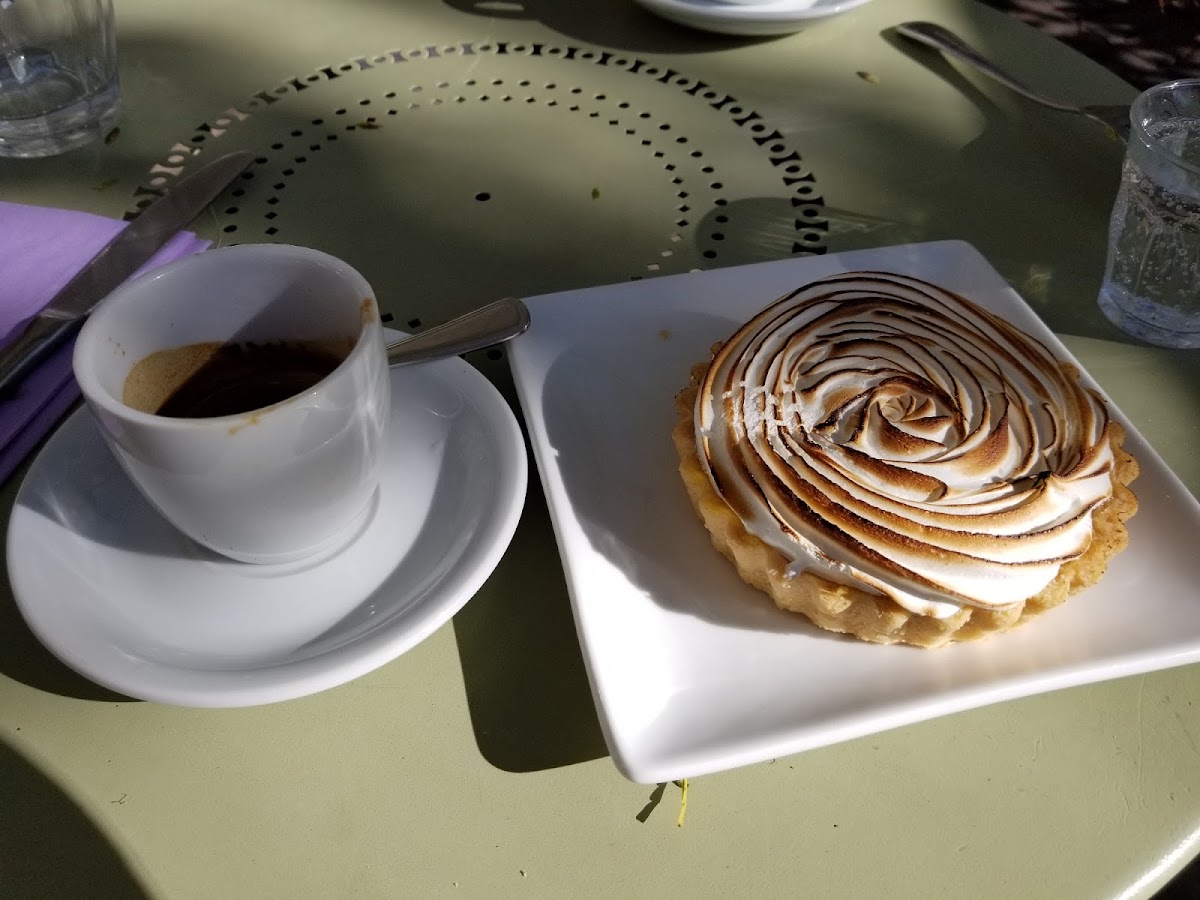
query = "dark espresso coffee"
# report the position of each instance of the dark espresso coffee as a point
(216, 379)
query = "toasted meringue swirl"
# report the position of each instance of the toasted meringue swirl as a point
(887, 433)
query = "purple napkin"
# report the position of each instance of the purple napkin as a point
(40, 251)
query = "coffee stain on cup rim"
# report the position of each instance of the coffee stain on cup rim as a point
(252, 418)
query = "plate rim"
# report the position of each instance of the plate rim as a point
(773, 13)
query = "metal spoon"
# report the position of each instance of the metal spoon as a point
(1114, 117)
(492, 324)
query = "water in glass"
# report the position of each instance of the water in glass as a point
(1151, 286)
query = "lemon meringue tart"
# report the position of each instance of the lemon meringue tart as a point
(895, 462)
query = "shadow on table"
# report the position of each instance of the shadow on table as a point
(49, 847)
(527, 689)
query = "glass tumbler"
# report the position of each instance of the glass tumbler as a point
(58, 75)
(1151, 286)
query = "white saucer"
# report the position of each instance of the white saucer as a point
(121, 597)
(770, 17)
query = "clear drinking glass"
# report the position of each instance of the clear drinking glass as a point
(1151, 286)
(58, 75)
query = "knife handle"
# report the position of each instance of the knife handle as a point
(39, 339)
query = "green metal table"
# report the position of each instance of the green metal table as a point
(457, 151)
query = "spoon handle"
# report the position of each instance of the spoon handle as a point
(483, 327)
(952, 45)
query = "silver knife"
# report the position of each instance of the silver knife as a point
(120, 258)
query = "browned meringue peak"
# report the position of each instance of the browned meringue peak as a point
(886, 431)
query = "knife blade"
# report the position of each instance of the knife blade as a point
(132, 247)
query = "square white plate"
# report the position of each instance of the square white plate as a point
(692, 670)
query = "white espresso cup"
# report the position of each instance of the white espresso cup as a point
(269, 485)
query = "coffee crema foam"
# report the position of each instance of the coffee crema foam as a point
(155, 377)
(886, 433)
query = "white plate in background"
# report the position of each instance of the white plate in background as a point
(692, 670)
(746, 17)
